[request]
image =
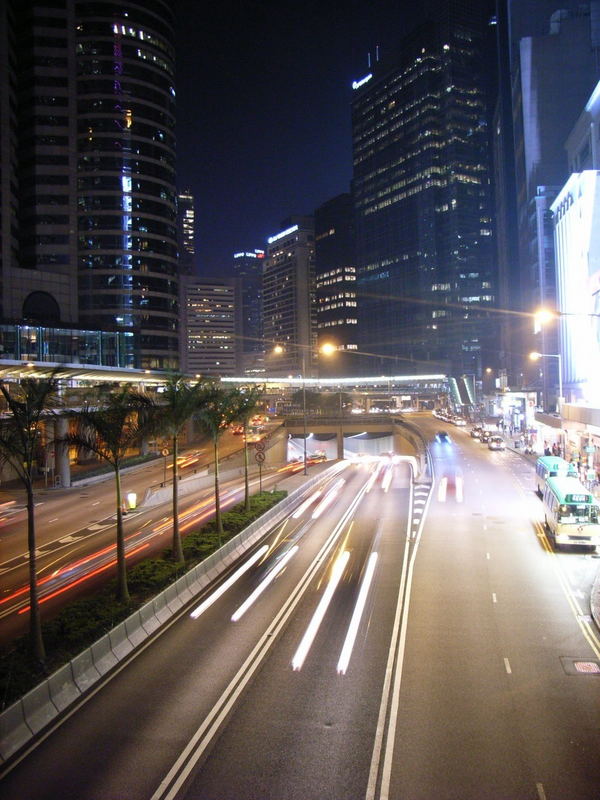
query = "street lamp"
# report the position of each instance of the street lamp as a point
(535, 356)
(278, 350)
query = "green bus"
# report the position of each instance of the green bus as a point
(551, 467)
(570, 512)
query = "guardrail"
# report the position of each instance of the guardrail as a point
(26, 718)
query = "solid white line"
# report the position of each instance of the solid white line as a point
(53, 520)
(487, 555)
(507, 666)
(494, 599)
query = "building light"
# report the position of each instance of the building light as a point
(286, 232)
(362, 81)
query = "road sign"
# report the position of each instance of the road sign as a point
(165, 452)
(259, 457)
(260, 446)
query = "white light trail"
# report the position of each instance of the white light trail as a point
(329, 498)
(309, 500)
(356, 616)
(459, 489)
(228, 583)
(313, 627)
(387, 478)
(264, 583)
(442, 490)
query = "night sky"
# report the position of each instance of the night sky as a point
(263, 95)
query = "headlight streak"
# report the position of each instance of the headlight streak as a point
(329, 498)
(442, 489)
(309, 500)
(313, 627)
(346, 653)
(459, 489)
(387, 478)
(228, 583)
(263, 585)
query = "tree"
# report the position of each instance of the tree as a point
(28, 401)
(247, 400)
(180, 400)
(109, 425)
(217, 408)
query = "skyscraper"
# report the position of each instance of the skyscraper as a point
(209, 325)
(289, 315)
(421, 185)
(250, 347)
(335, 285)
(186, 232)
(88, 179)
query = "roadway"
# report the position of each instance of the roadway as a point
(473, 672)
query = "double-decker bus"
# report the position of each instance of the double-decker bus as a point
(570, 512)
(551, 467)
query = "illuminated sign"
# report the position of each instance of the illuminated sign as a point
(255, 254)
(362, 81)
(286, 232)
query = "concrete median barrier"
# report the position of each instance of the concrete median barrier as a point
(148, 618)
(85, 673)
(119, 641)
(14, 731)
(102, 655)
(38, 707)
(63, 690)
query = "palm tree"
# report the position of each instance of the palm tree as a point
(180, 403)
(27, 403)
(109, 425)
(247, 400)
(217, 408)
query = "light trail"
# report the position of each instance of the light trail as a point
(228, 583)
(83, 578)
(442, 489)
(264, 584)
(329, 498)
(386, 481)
(313, 627)
(309, 501)
(346, 653)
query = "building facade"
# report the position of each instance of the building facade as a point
(421, 176)
(209, 323)
(250, 347)
(335, 286)
(88, 178)
(186, 232)
(289, 311)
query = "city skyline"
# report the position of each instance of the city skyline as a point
(276, 139)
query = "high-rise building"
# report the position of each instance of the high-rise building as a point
(250, 347)
(421, 182)
(565, 55)
(335, 286)
(209, 325)
(289, 316)
(186, 232)
(88, 180)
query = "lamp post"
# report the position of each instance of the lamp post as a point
(535, 356)
(278, 350)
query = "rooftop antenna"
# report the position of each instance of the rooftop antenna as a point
(376, 53)
(369, 60)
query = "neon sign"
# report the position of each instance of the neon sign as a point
(362, 81)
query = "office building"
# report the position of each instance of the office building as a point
(289, 311)
(426, 274)
(209, 325)
(88, 178)
(335, 286)
(250, 348)
(186, 232)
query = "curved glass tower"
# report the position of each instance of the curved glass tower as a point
(126, 218)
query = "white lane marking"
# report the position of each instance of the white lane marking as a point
(540, 791)
(317, 618)
(487, 555)
(507, 666)
(228, 583)
(344, 659)
(494, 598)
(96, 503)
(53, 520)
(264, 583)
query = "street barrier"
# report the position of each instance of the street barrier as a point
(20, 722)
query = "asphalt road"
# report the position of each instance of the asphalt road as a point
(475, 671)
(127, 737)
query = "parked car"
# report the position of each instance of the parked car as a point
(485, 437)
(476, 431)
(496, 443)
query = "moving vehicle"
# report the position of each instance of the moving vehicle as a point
(570, 512)
(551, 467)
(476, 432)
(485, 436)
(496, 443)
(442, 437)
